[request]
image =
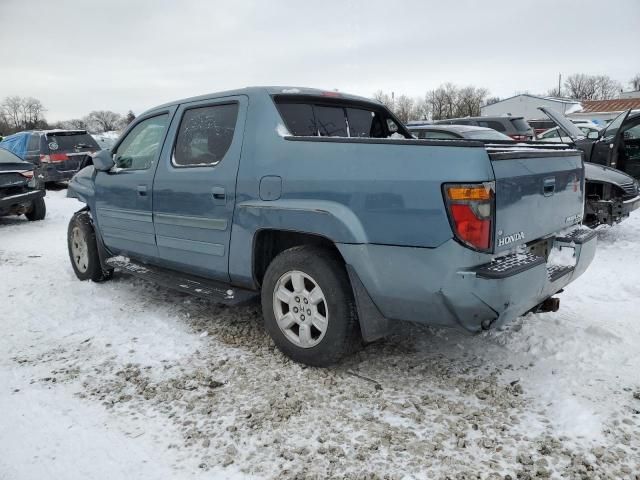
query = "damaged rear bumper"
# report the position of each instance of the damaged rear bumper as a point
(477, 292)
(610, 212)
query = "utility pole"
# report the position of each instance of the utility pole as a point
(559, 83)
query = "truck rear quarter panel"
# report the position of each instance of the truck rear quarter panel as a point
(381, 191)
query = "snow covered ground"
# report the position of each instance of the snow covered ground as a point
(128, 380)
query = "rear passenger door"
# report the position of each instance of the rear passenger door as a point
(194, 189)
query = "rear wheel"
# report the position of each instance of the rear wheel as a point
(308, 306)
(83, 249)
(38, 210)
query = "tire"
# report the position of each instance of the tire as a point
(83, 249)
(307, 338)
(38, 210)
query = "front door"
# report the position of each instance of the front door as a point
(194, 187)
(123, 194)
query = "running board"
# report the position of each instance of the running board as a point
(212, 290)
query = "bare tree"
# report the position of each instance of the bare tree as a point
(104, 120)
(635, 82)
(591, 87)
(469, 101)
(76, 124)
(11, 109)
(22, 113)
(404, 108)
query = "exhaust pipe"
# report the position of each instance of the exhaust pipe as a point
(549, 305)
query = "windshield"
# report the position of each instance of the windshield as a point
(66, 142)
(486, 135)
(612, 130)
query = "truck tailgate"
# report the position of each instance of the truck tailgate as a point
(538, 192)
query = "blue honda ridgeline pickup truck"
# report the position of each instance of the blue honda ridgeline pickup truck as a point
(324, 205)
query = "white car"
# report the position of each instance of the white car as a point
(556, 135)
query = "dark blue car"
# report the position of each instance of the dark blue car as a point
(56, 154)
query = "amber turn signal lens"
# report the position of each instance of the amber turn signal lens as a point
(471, 193)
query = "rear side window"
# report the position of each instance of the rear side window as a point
(205, 135)
(520, 124)
(492, 124)
(64, 142)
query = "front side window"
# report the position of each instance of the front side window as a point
(141, 146)
(205, 135)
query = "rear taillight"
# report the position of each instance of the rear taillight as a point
(471, 209)
(53, 158)
(27, 174)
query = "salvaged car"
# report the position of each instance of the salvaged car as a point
(612, 168)
(617, 145)
(56, 154)
(19, 191)
(515, 127)
(324, 206)
(611, 194)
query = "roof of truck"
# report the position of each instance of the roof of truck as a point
(270, 90)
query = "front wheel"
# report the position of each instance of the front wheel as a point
(308, 306)
(83, 249)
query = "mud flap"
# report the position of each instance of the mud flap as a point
(373, 325)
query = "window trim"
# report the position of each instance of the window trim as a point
(115, 169)
(172, 158)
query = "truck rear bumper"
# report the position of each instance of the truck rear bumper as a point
(475, 293)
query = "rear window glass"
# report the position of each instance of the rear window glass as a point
(340, 120)
(364, 123)
(330, 121)
(486, 135)
(520, 124)
(299, 118)
(7, 157)
(65, 143)
(492, 124)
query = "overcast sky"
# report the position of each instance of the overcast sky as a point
(82, 55)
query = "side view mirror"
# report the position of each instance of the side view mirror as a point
(593, 135)
(103, 160)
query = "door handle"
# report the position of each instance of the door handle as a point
(219, 195)
(142, 190)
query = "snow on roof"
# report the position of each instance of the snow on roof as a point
(550, 99)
